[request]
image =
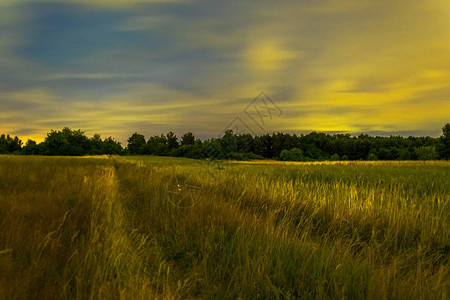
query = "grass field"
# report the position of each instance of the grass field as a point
(155, 227)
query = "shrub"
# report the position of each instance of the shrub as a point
(335, 157)
(295, 154)
(372, 156)
(426, 153)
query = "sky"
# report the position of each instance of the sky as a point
(119, 66)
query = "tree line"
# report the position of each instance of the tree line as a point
(314, 146)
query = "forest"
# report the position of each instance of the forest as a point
(315, 146)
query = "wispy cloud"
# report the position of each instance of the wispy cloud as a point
(86, 76)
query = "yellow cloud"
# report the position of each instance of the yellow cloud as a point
(268, 56)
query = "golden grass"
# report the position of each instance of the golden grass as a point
(104, 227)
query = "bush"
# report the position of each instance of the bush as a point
(426, 153)
(295, 154)
(372, 156)
(335, 157)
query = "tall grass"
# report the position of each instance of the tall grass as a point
(107, 228)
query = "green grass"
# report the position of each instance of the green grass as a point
(106, 227)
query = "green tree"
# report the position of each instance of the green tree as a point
(426, 153)
(264, 145)
(188, 139)
(157, 145)
(245, 143)
(136, 143)
(228, 142)
(9, 144)
(444, 142)
(384, 154)
(111, 146)
(404, 154)
(3, 144)
(96, 144)
(30, 148)
(446, 131)
(66, 142)
(213, 150)
(172, 141)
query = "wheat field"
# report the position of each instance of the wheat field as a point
(169, 228)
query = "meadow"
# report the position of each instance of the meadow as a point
(149, 227)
